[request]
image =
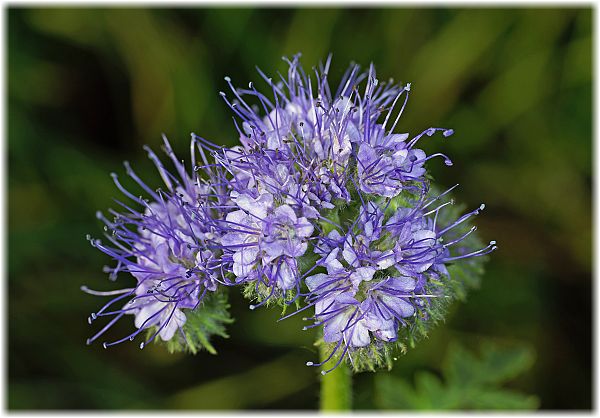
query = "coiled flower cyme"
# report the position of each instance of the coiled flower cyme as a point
(323, 208)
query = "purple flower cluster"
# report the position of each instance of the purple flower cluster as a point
(168, 246)
(322, 204)
(378, 273)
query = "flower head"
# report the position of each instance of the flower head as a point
(168, 247)
(323, 204)
(382, 270)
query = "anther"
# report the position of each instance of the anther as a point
(142, 345)
(226, 78)
(104, 345)
(309, 363)
(448, 132)
(252, 307)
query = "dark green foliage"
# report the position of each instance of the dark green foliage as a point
(467, 382)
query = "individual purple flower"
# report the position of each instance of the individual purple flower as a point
(264, 241)
(389, 164)
(355, 250)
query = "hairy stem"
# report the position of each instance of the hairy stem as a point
(336, 386)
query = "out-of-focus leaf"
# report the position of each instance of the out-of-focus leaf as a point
(503, 399)
(469, 382)
(395, 393)
(501, 364)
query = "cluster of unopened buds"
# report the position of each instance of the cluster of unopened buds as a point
(323, 209)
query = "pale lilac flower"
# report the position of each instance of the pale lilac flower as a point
(265, 240)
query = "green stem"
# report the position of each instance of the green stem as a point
(336, 386)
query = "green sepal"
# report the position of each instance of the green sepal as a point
(258, 293)
(376, 355)
(465, 381)
(207, 320)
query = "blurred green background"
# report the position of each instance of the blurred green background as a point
(88, 87)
